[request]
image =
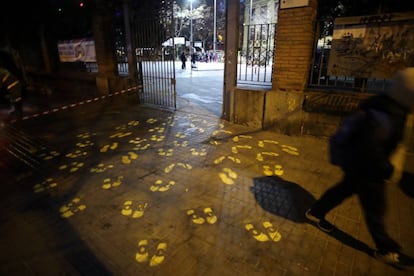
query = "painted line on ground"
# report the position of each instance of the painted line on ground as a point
(64, 107)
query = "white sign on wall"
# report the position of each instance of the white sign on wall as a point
(286, 4)
(77, 50)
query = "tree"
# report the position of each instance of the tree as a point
(203, 20)
(328, 10)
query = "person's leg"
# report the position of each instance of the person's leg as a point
(329, 200)
(372, 198)
(334, 196)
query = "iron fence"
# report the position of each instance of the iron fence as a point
(255, 59)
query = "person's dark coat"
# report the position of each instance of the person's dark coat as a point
(379, 136)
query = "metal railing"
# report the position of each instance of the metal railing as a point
(255, 60)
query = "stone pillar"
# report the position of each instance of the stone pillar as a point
(132, 58)
(104, 46)
(45, 51)
(294, 45)
(230, 65)
(294, 42)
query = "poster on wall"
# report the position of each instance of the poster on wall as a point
(77, 50)
(287, 4)
(371, 47)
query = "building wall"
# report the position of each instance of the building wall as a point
(294, 46)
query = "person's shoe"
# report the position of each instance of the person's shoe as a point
(395, 259)
(322, 224)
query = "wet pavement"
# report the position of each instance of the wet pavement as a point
(109, 187)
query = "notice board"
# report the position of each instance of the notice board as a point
(372, 46)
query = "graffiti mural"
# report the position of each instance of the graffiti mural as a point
(372, 47)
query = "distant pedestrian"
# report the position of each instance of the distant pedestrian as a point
(183, 60)
(368, 165)
(11, 88)
(193, 60)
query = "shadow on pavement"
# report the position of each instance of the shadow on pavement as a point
(271, 193)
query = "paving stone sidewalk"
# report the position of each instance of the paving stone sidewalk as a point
(125, 189)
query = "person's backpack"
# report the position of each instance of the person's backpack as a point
(341, 143)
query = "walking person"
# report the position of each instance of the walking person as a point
(183, 60)
(367, 165)
(193, 60)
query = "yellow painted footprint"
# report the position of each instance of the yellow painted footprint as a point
(71, 208)
(219, 160)
(137, 141)
(235, 149)
(234, 159)
(211, 217)
(142, 255)
(182, 144)
(289, 149)
(157, 129)
(159, 186)
(260, 155)
(157, 138)
(112, 146)
(221, 131)
(101, 167)
(152, 121)
(137, 213)
(262, 143)
(126, 159)
(84, 144)
(141, 147)
(180, 135)
(133, 123)
(45, 185)
(237, 138)
(194, 218)
(195, 152)
(76, 154)
(272, 232)
(228, 176)
(50, 155)
(108, 184)
(170, 167)
(121, 134)
(267, 171)
(168, 152)
(85, 135)
(278, 170)
(159, 257)
(73, 167)
(262, 237)
(222, 158)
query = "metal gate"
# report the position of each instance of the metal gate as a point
(153, 40)
(255, 64)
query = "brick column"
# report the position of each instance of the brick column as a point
(104, 46)
(230, 66)
(294, 44)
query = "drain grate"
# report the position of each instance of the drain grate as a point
(19, 146)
